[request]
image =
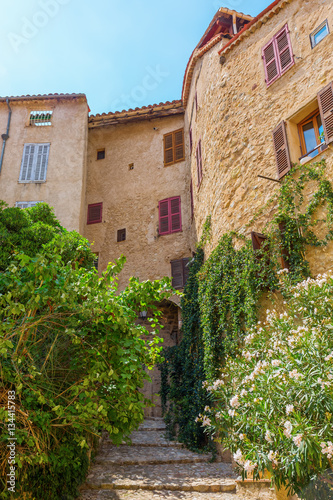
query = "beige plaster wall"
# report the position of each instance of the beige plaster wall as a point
(64, 188)
(237, 114)
(130, 197)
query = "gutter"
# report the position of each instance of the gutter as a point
(6, 135)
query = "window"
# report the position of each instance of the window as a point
(174, 147)
(192, 201)
(179, 272)
(95, 213)
(121, 235)
(26, 204)
(319, 34)
(311, 132)
(257, 240)
(100, 154)
(34, 163)
(40, 118)
(170, 220)
(199, 162)
(277, 55)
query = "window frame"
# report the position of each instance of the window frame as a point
(102, 150)
(316, 31)
(29, 203)
(36, 122)
(312, 117)
(34, 162)
(92, 205)
(173, 147)
(169, 216)
(121, 232)
(199, 161)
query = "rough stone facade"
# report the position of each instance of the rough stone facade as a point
(236, 113)
(65, 184)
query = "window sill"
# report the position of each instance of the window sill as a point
(31, 182)
(173, 163)
(173, 232)
(310, 159)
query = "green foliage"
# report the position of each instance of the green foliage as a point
(277, 413)
(182, 371)
(72, 352)
(30, 229)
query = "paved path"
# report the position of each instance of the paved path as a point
(155, 468)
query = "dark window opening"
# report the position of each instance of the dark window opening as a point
(121, 235)
(101, 154)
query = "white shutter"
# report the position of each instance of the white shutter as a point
(41, 162)
(34, 162)
(27, 162)
(27, 204)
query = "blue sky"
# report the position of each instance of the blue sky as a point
(121, 54)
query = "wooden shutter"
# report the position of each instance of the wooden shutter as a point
(179, 145)
(191, 140)
(192, 201)
(284, 49)
(281, 149)
(325, 100)
(175, 212)
(41, 162)
(27, 162)
(164, 217)
(177, 273)
(270, 62)
(186, 270)
(95, 213)
(168, 149)
(199, 162)
(257, 240)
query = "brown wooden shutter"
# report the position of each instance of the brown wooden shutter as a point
(281, 149)
(95, 213)
(164, 216)
(186, 270)
(257, 240)
(168, 149)
(284, 48)
(325, 100)
(272, 71)
(177, 273)
(179, 145)
(176, 222)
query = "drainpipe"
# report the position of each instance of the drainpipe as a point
(5, 136)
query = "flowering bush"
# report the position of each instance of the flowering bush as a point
(274, 402)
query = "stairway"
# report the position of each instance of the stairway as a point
(155, 468)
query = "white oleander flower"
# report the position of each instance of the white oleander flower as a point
(232, 413)
(289, 409)
(298, 440)
(234, 402)
(268, 437)
(288, 429)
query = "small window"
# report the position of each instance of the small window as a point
(319, 34)
(26, 204)
(311, 132)
(278, 55)
(121, 235)
(100, 154)
(170, 220)
(199, 162)
(40, 118)
(34, 163)
(179, 272)
(95, 213)
(174, 150)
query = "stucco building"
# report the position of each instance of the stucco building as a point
(257, 97)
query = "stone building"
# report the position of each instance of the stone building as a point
(257, 97)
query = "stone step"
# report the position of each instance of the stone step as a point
(143, 438)
(138, 455)
(153, 495)
(203, 477)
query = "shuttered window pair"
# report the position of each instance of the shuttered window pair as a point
(179, 272)
(170, 220)
(278, 55)
(174, 150)
(199, 162)
(34, 163)
(281, 148)
(95, 211)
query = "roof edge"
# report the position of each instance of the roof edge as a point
(43, 97)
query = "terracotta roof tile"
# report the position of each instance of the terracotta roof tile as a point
(42, 96)
(167, 104)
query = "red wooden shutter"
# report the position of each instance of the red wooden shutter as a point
(95, 213)
(199, 162)
(177, 273)
(257, 240)
(176, 220)
(179, 145)
(168, 149)
(272, 71)
(164, 217)
(325, 100)
(281, 149)
(284, 49)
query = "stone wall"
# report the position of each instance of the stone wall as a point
(130, 182)
(237, 113)
(64, 188)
